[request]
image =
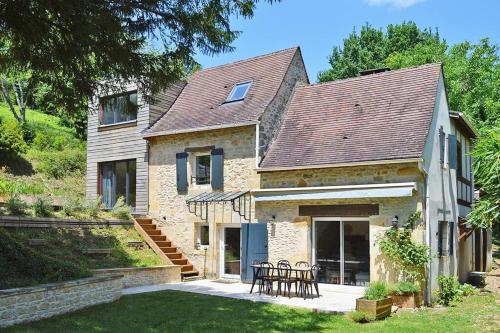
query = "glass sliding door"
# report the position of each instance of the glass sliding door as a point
(341, 248)
(118, 179)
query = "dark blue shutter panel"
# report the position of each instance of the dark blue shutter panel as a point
(451, 237)
(441, 145)
(181, 168)
(217, 169)
(452, 151)
(440, 238)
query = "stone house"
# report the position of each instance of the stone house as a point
(248, 161)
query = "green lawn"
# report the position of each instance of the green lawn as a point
(173, 311)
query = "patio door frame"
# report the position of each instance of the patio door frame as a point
(341, 221)
(222, 249)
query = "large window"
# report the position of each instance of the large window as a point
(118, 179)
(118, 109)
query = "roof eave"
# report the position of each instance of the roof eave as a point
(146, 135)
(341, 165)
(466, 124)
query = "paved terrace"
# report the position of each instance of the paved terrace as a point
(333, 298)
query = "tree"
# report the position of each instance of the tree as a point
(15, 86)
(372, 47)
(70, 45)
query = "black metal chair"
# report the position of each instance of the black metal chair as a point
(268, 277)
(302, 264)
(283, 261)
(310, 280)
(286, 278)
(257, 276)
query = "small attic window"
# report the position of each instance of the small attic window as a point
(238, 92)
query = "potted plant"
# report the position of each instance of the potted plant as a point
(376, 301)
(406, 295)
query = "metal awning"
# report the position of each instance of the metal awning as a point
(240, 202)
(336, 192)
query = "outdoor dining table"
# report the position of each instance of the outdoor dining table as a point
(300, 273)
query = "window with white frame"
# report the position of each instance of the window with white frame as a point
(238, 92)
(203, 234)
(200, 172)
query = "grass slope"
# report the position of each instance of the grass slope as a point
(29, 173)
(62, 259)
(174, 311)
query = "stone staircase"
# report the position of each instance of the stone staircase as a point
(188, 272)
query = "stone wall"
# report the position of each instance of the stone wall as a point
(290, 235)
(22, 305)
(169, 207)
(271, 119)
(143, 276)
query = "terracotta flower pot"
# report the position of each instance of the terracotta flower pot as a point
(379, 309)
(410, 300)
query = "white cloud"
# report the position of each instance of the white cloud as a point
(393, 3)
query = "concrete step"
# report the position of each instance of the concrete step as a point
(187, 268)
(189, 274)
(194, 277)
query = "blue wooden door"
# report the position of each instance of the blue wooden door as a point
(254, 247)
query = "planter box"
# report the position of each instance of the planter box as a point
(379, 309)
(408, 300)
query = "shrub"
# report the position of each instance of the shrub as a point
(28, 132)
(121, 210)
(58, 164)
(467, 289)
(9, 186)
(376, 291)
(361, 317)
(44, 141)
(94, 207)
(73, 206)
(43, 207)
(408, 256)
(15, 206)
(404, 288)
(11, 138)
(449, 290)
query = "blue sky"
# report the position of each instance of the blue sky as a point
(317, 25)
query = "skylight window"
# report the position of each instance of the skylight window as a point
(239, 92)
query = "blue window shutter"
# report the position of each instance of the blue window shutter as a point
(452, 151)
(217, 169)
(451, 237)
(441, 145)
(181, 168)
(440, 238)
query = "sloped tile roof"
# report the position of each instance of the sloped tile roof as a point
(201, 103)
(381, 116)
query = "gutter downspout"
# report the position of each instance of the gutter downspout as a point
(428, 291)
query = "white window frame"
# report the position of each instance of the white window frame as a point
(230, 100)
(192, 168)
(198, 234)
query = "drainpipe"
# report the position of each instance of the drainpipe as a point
(428, 292)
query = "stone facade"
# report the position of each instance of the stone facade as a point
(169, 207)
(290, 235)
(271, 119)
(23, 305)
(143, 276)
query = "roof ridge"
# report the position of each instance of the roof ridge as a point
(375, 74)
(250, 59)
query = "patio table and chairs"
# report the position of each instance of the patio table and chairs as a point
(303, 276)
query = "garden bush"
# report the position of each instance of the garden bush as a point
(57, 164)
(404, 287)
(11, 138)
(361, 317)
(376, 291)
(94, 207)
(43, 207)
(72, 206)
(15, 206)
(121, 210)
(449, 290)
